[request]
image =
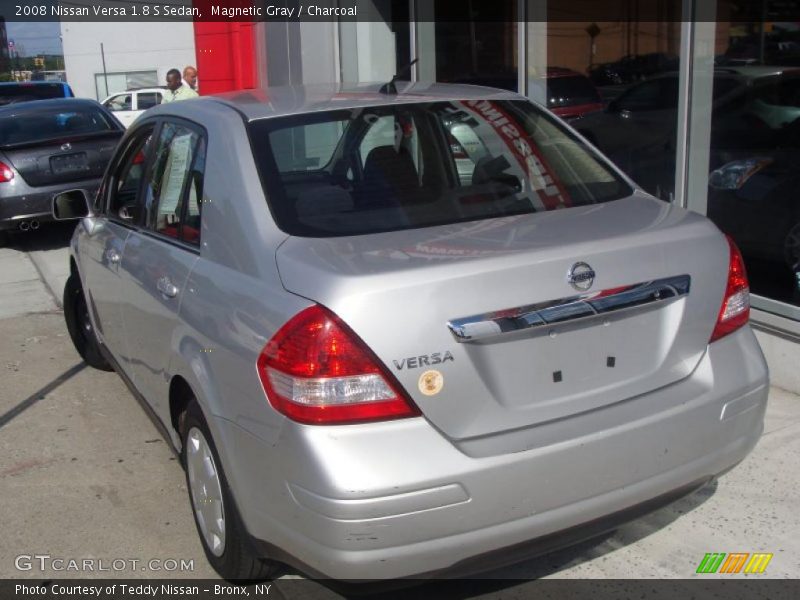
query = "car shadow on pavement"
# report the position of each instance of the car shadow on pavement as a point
(50, 236)
(506, 578)
(40, 394)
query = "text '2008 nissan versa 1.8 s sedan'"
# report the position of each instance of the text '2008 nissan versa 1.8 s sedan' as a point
(376, 367)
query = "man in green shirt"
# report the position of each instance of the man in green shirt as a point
(176, 89)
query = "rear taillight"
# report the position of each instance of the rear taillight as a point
(735, 310)
(6, 174)
(316, 370)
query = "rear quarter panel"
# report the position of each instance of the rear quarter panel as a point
(233, 301)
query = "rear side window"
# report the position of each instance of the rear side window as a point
(25, 126)
(418, 165)
(147, 100)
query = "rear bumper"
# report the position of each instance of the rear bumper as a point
(25, 203)
(397, 499)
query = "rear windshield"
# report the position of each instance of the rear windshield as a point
(570, 91)
(367, 170)
(10, 94)
(25, 126)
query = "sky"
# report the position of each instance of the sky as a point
(37, 38)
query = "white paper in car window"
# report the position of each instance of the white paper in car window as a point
(175, 173)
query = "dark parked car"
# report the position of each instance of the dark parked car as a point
(754, 159)
(24, 91)
(48, 146)
(754, 188)
(644, 116)
(569, 94)
(632, 68)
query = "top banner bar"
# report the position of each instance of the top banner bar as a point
(601, 11)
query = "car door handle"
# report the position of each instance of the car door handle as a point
(166, 287)
(112, 256)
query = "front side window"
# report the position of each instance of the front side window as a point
(419, 165)
(175, 181)
(126, 177)
(119, 102)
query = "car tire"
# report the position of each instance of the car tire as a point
(226, 544)
(79, 325)
(4, 237)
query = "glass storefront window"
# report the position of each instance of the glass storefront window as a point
(619, 83)
(482, 48)
(633, 66)
(754, 154)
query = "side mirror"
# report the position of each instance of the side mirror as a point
(72, 204)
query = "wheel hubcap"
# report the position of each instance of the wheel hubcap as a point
(206, 491)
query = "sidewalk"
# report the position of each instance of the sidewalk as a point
(53, 265)
(21, 288)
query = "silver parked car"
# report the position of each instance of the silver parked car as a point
(376, 368)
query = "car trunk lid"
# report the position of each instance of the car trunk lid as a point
(66, 159)
(405, 293)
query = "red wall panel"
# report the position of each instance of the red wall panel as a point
(226, 58)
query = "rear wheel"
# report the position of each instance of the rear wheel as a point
(79, 325)
(219, 524)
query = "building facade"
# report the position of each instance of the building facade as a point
(102, 58)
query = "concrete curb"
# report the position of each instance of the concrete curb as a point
(52, 273)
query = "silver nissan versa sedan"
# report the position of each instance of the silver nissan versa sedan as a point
(376, 368)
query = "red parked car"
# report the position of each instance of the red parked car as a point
(570, 94)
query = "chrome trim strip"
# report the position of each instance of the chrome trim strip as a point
(659, 291)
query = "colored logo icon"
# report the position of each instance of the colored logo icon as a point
(735, 562)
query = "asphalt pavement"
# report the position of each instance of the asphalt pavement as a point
(84, 474)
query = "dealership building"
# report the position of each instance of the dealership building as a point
(716, 75)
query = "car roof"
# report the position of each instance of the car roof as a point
(140, 89)
(555, 72)
(137, 90)
(30, 83)
(57, 103)
(302, 99)
(747, 73)
(757, 71)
